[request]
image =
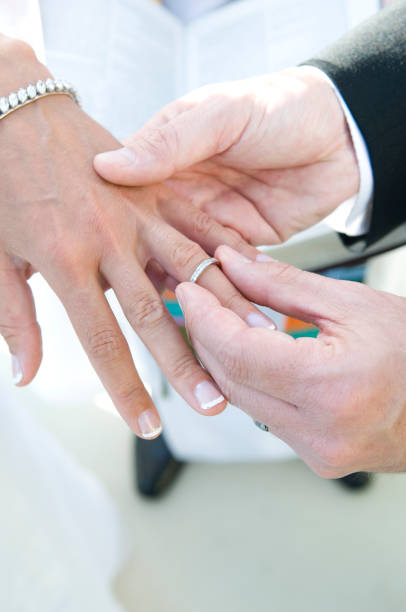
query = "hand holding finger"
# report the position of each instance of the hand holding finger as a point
(164, 147)
(151, 320)
(315, 298)
(347, 385)
(180, 257)
(222, 340)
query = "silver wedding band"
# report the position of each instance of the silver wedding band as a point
(201, 268)
(261, 426)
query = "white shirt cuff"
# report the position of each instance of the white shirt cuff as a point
(353, 216)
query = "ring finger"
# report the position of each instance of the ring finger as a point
(179, 257)
(150, 319)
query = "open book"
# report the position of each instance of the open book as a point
(161, 59)
(135, 56)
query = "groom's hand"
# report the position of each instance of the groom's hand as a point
(267, 156)
(57, 216)
(339, 400)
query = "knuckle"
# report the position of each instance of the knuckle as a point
(281, 234)
(162, 142)
(147, 311)
(202, 224)
(186, 255)
(183, 367)
(105, 344)
(16, 326)
(237, 243)
(78, 276)
(232, 301)
(336, 457)
(57, 250)
(9, 332)
(67, 261)
(326, 472)
(128, 394)
(285, 272)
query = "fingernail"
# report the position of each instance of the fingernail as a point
(263, 257)
(123, 157)
(150, 424)
(235, 255)
(181, 298)
(16, 368)
(208, 395)
(258, 319)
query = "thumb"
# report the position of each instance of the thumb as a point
(18, 324)
(162, 148)
(304, 295)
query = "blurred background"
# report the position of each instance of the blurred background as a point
(237, 535)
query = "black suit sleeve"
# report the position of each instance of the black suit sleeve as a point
(368, 66)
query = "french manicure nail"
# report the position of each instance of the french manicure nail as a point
(150, 424)
(123, 156)
(208, 395)
(263, 257)
(16, 369)
(180, 298)
(258, 319)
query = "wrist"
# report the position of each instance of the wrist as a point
(330, 121)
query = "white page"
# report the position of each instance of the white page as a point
(251, 37)
(227, 44)
(303, 29)
(145, 61)
(124, 56)
(359, 10)
(187, 11)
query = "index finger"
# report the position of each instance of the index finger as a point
(264, 359)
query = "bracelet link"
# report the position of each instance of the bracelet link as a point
(31, 93)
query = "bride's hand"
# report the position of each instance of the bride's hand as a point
(57, 216)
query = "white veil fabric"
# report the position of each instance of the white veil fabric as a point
(60, 537)
(61, 543)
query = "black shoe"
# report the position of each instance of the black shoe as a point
(357, 480)
(155, 467)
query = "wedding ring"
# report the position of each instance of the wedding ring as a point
(261, 426)
(201, 268)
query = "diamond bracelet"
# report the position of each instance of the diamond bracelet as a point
(25, 96)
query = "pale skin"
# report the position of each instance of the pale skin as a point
(263, 156)
(268, 157)
(58, 217)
